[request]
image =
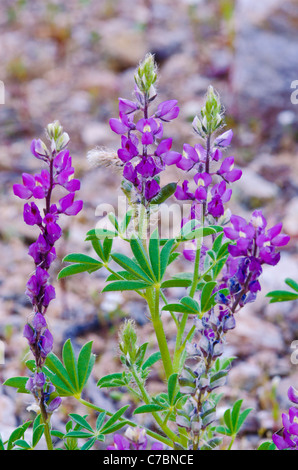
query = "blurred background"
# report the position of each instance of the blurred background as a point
(71, 61)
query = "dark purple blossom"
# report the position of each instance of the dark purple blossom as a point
(228, 172)
(39, 290)
(31, 214)
(167, 110)
(224, 140)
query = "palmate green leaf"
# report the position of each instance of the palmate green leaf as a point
(113, 419)
(154, 253)
(81, 421)
(172, 384)
(126, 220)
(164, 257)
(142, 257)
(79, 434)
(98, 248)
(58, 375)
(18, 433)
(82, 259)
(164, 194)
(121, 275)
(37, 435)
(85, 364)
(206, 294)
(179, 308)
(1, 443)
(107, 247)
(113, 219)
(281, 296)
(70, 364)
(291, 283)
(235, 414)
(109, 378)
(70, 378)
(242, 418)
(125, 285)
(148, 409)
(100, 420)
(89, 443)
(130, 266)
(100, 234)
(267, 446)
(22, 444)
(115, 427)
(176, 283)
(191, 303)
(19, 383)
(78, 268)
(155, 357)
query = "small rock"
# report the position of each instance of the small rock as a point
(245, 376)
(95, 133)
(253, 334)
(291, 219)
(254, 190)
(7, 411)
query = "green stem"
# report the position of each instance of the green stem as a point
(182, 326)
(45, 421)
(150, 433)
(157, 418)
(231, 443)
(159, 330)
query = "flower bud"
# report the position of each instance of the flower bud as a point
(128, 341)
(146, 76)
(59, 139)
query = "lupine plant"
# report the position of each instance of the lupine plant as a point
(225, 254)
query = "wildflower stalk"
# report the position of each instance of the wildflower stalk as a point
(153, 296)
(165, 440)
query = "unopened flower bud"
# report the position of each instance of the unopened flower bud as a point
(128, 341)
(146, 76)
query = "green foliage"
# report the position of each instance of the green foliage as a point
(82, 263)
(71, 376)
(233, 420)
(267, 446)
(283, 295)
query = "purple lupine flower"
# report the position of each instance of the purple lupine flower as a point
(39, 149)
(127, 106)
(188, 159)
(120, 443)
(289, 438)
(68, 206)
(39, 290)
(203, 180)
(39, 322)
(54, 405)
(224, 140)
(167, 110)
(31, 214)
(122, 125)
(149, 129)
(129, 148)
(142, 162)
(293, 395)
(152, 188)
(182, 192)
(29, 188)
(131, 174)
(228, 172)
(220, 195)
(133, 439)
(164, 152)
